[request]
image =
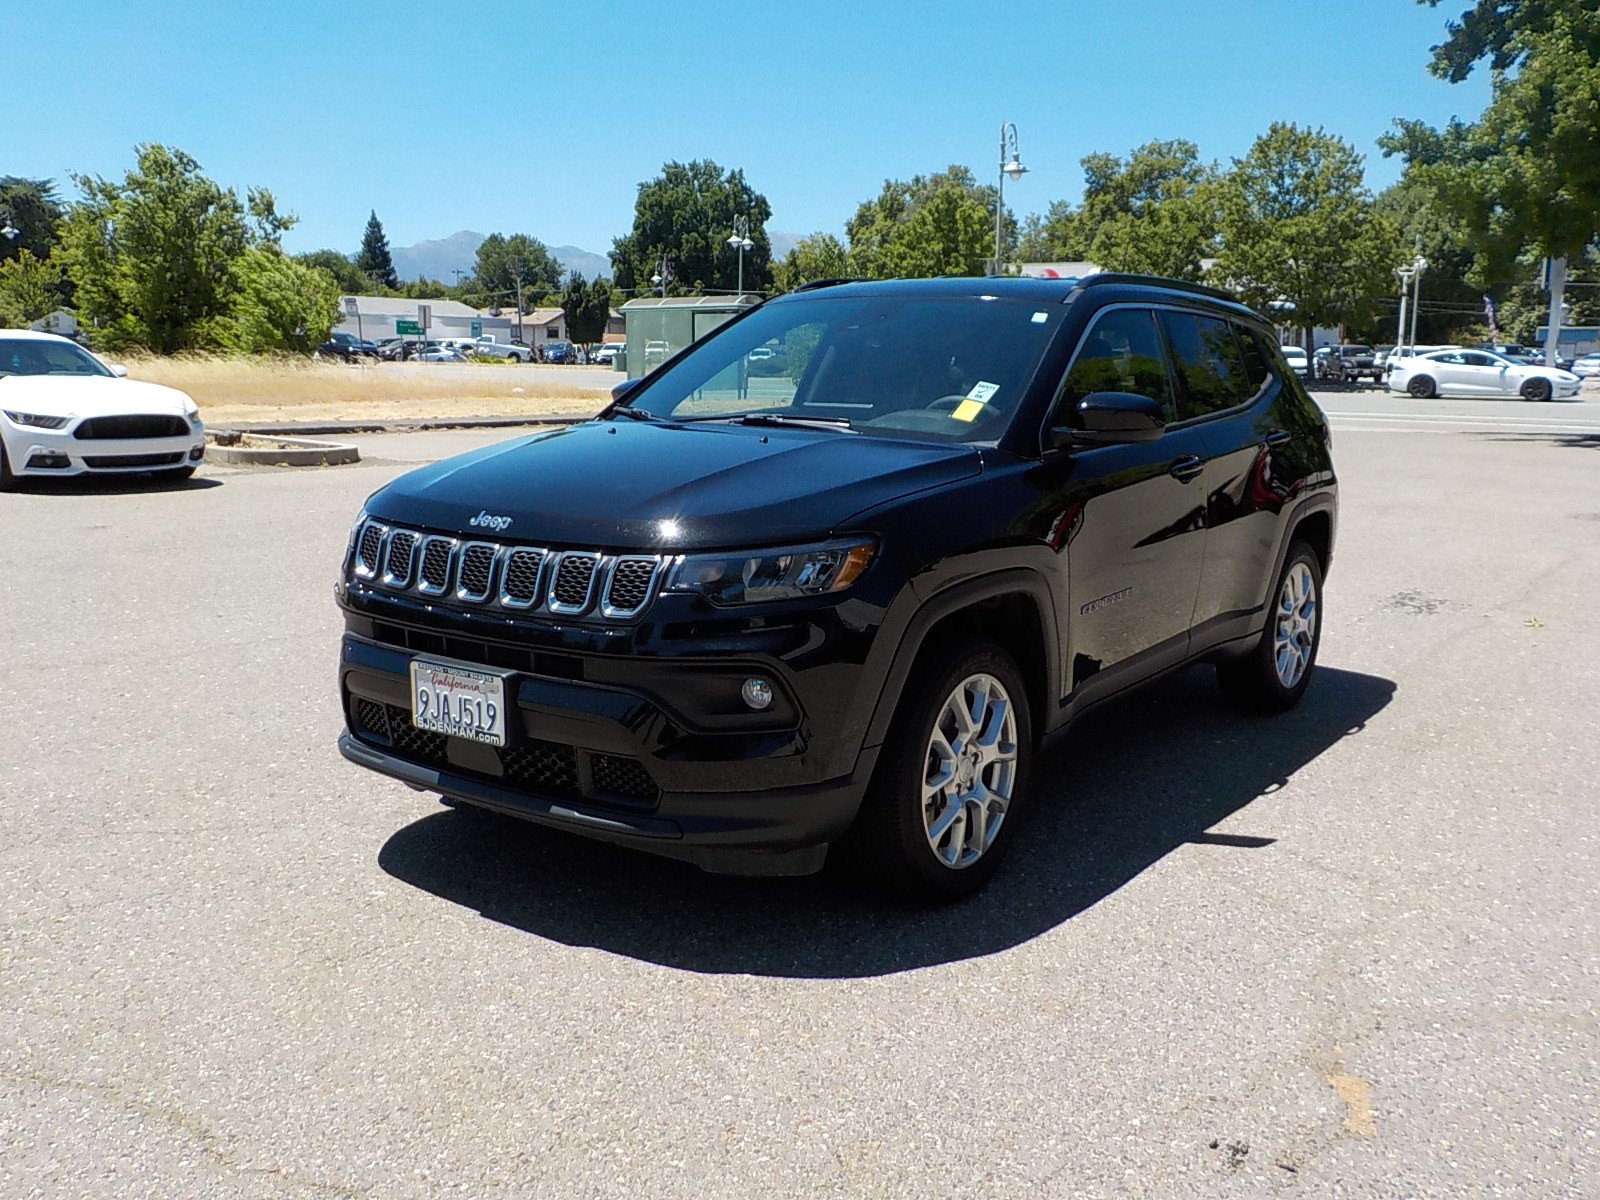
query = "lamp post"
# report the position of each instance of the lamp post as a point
(741, 242)
(1015, 169)
(663, 274)
(1406, 273)
(1418, 266)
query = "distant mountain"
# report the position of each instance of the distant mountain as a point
(782, 243)
(441, 258)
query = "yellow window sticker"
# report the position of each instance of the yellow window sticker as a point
(967, 410)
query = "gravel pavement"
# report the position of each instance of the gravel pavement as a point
(1349, 951)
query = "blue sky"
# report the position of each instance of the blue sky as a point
(544, 118)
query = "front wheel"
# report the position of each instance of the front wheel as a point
(1422, 387)
(942, 805)
(1273, 676)
(1536, 389)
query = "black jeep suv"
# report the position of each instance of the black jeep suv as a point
(741, 615)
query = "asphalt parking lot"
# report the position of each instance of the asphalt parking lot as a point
(1349, 951)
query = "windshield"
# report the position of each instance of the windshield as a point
(948, 368)
(27, 356)
(1358, 349)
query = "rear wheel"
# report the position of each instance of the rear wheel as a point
(1273, 676)
(942, 806)
(1536, 389)
(1422, 387)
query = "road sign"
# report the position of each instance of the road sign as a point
(424, 315)
(477, 329)
(403, 326)
(350, 308)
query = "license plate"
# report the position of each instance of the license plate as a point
(461, 703)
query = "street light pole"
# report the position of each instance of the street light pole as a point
(663, 273)
(741, 242)
(1418, 265)
(1016, 170)
(1405, 274)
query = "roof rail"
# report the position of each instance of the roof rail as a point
(812, 285)
(1162, 281)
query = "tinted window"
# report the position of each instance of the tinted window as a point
(1209, 364)
(1257, 357)
(1480, 360)
(46, 356)
(1121, 353)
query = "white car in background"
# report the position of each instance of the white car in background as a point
(1295, 356)
(1587, 366)
(64, 412)
(1478, 373)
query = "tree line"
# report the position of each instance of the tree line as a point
(167, 259)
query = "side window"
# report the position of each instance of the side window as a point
(1479, 360)
(1120, 353)
(1455, 360)
(1257, 357)
(1209, 362)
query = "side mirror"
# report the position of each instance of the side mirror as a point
(117, 369)
(624, 389)
(1112, 418)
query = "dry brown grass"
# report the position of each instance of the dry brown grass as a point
(286, 389)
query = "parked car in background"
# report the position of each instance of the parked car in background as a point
(1587, 366)
(345, 346)
(1480, 373)
(1347, 364)
(490, 348)
(1400, 354)
(64, 412)
(1296, 357)
(606, 355)
(437, 352)
(560, 352)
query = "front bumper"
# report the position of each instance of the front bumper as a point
(636, 751)
(45, 452)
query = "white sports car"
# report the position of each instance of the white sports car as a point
(1478, 373)
(64, 412)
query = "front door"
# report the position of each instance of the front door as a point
(1128, 520)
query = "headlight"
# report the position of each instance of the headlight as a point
(38, 422)
(195, 423)
(763, 575)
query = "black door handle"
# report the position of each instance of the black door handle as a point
(1186, 468)
(1278, 439)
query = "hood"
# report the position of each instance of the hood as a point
(90, 396)
(642, 486)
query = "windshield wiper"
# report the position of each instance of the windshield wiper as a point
(782, 419)
(635, 414)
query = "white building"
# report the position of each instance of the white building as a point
(374, 318)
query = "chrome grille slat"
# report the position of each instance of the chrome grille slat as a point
(532, 579)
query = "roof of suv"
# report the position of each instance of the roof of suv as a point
(1104, 286)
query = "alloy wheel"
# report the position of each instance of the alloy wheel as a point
(1296, 628)
(970, 771)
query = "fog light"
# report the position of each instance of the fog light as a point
(757, 693)
(52, 459)
(196, 453)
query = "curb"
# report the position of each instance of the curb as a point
(239, 446)
(417, 425)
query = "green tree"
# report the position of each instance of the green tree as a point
(503, 260)
(587, 308)
(153, 257)
(428, 289)
(940, 224)
(1524, 179)
(687, 214)
(1452, 308)
(29, 289)
(820, 256)
(373, 259)
(279, 303)
(350, 278)
(1299, 232)
(34, 210)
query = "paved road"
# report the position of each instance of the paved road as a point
(1349, 951)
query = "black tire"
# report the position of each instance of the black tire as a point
(8, 481)
(1422, 387)
(890, 843)
(1252, 681)
(1536, 389)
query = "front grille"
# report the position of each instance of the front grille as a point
(131, 427)
(477, 572)
(575, 583)
(630, 584)
(106, 461)
(402, 549)
(368, 546)
(433, 577)
(546, 768)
